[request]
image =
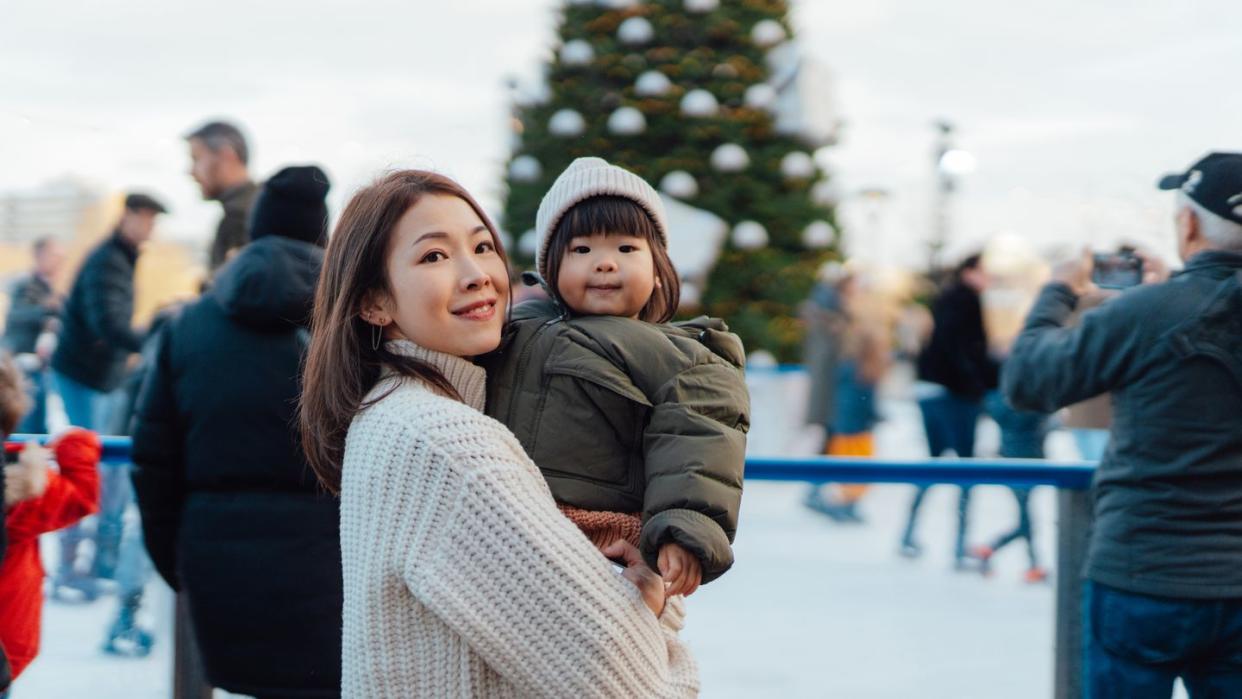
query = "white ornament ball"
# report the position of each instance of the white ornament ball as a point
(577, 53)
(635, 30)
(750, 235)
(797, 166)
(566, 123)
(730, 157)
(824, 193)
(702, 6)
(818, 235)
(627, 121)
(699, 103)
(680, 184)
(525, 168)
(767, 33)
(760, 96)
(691, 297)
(528, 244)
(652, 83)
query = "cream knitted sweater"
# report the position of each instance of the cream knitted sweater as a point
(461, 577)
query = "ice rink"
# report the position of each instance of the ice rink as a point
(811, 609)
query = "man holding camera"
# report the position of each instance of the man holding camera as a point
(1163, 596)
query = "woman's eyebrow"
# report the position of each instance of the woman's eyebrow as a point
(430, 234)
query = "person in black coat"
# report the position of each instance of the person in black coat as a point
(232, 515)
(955, 372)
(88, 366)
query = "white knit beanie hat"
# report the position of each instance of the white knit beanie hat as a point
(592, 177)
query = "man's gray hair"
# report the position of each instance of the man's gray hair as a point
(220, 134)
(1221, 233)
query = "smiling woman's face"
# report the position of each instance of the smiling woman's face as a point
(449, 286)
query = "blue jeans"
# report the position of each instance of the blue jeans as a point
(1135, 645)
(949, 422)
(94, 410)
(86, 407)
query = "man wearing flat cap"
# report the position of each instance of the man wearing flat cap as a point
(89, 363)
(1163, 596)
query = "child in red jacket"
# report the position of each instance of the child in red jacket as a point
(38, 499)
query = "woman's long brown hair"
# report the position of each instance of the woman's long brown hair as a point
(341, 366)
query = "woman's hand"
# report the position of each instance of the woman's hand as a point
(680, 569)
(650, 585)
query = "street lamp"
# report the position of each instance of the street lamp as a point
(950, 164)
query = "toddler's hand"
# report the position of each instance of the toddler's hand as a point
(680, 569)
(27, 479)
(637, 572)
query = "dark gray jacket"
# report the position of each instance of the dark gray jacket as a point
(233, 232)
(32, 304)
(1168, 492)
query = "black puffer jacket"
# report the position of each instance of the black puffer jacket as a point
(957, 356)
(96, 338)
(231, 510)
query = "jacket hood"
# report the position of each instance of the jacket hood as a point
(271, 283)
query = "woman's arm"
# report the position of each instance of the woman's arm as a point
(694, 452)
(529, 592)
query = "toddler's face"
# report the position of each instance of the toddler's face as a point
(607, 275)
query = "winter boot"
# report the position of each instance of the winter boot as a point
(983, 554)
(68, 585)
(1035, 575)
(125, 637)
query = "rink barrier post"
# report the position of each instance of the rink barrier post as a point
(189, 680)
(1072, 480)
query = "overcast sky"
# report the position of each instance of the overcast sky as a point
(1071, 108)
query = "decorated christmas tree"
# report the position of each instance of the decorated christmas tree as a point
(712, 103)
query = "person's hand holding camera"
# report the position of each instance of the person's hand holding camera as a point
(1076, 273)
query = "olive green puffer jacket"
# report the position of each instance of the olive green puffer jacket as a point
(627, 416)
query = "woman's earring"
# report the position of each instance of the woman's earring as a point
(376, 332)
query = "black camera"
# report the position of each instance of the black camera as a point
(1117, 270)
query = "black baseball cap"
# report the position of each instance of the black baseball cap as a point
(137, 201)
(1214, 182)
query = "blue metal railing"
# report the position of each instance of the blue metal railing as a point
(823, 469)
(1017, 472)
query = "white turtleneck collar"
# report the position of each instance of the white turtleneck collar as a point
(469, 380)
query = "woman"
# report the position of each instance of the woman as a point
(232, 515)
(461, 577)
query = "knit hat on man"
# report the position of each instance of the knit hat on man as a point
(593, 177)
(291, 205)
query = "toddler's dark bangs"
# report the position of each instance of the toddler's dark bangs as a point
(606, 215)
